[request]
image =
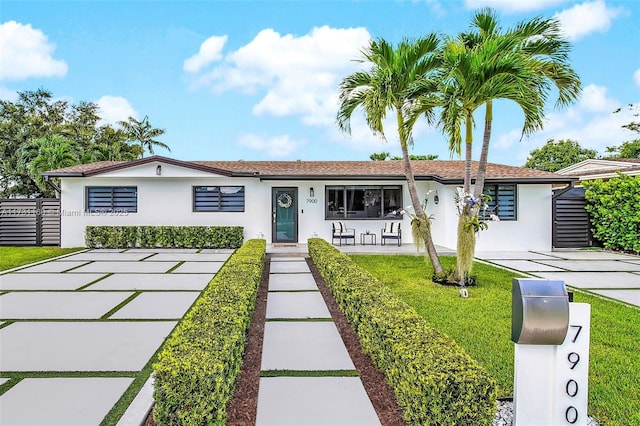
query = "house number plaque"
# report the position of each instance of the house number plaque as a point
(572, 368)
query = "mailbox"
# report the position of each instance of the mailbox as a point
(540, 312)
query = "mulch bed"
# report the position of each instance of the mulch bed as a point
(242, 407)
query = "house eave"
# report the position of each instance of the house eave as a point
(139, 162)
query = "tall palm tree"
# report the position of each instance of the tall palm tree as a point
(386, 86)
(485, 64)
(143, 133)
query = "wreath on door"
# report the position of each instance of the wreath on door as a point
(285, 200)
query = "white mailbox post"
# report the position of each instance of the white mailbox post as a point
(551, 354)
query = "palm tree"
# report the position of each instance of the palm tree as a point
(144, 134)
(486, 64)
(387, 86)
(49, 153)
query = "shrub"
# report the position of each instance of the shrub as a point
(218, 237)
(615, 215)
(434, 380)
(199, 362)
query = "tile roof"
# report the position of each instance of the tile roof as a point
(431, 170)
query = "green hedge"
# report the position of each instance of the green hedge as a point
(434, 380)
(199, 362)
(164, 236)
(614, 206)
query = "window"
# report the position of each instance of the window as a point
(112, 199)
(503, 201)
(218, 198)
(363, 202)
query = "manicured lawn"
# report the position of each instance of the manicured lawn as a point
(482, 325)
(11, 257)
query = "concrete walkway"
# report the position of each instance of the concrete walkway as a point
(301, 346)
(76, 331)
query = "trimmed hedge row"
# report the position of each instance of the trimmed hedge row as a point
(199, 362)
(434, 380)
(164, 236)
(615, 215)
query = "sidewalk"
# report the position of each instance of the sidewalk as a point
(313, 379)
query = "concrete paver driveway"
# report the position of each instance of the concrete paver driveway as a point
(75, 332)
(613, 275)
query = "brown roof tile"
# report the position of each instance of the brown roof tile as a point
(437, 170)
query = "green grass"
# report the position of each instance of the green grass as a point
(11, 257)
(481, 324)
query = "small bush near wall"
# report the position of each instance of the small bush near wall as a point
(434, 380)
(199, 362)
(164, 236)
(614, 206)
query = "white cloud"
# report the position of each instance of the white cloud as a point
(210, 51)
(636, 77)
(26, 52)
(7, 94)
(594, 99)
(586, 18)
(114, 109)
(362, 138)
(300, 74)
(274, 146)
(513, 6)
(591, 122)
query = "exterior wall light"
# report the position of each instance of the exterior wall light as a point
(311, 192)
(158, 170)
(436, 199)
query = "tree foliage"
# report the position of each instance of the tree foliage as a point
(383, 156)
(615, 216)
(629, 149)
(40, 133)
(143, 133)
(556, 155)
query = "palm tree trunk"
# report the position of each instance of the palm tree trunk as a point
(466, 242)
(484, 154)
(468, 154)
(415, 200)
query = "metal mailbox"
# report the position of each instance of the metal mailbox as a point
(540, 312)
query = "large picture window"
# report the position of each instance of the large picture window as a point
(112, 199)
(218, 198)
(503, 201)
(363, 202)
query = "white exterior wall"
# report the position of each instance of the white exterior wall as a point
(168, 200)
(531, 230)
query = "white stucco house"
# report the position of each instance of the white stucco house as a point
(290, 201)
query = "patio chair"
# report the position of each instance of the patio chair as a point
(340, 232)
(391, 231)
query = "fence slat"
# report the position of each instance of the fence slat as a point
(30, 222)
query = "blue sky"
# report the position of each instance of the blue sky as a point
(257, 80)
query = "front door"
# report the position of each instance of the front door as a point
(284, 209)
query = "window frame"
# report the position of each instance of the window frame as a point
(112, 209)
(496, 200)
(194, 206)
(345, 188)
